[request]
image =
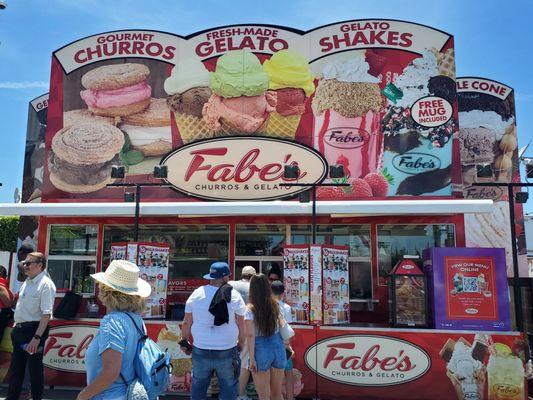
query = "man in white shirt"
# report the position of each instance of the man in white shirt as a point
(214, 325)
(32, 314)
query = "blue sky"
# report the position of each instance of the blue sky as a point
(492, 40)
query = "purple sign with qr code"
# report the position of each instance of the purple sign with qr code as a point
(468, 288)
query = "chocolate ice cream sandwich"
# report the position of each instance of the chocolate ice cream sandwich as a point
(82, 157)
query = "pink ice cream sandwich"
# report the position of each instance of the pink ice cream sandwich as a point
(117, 90)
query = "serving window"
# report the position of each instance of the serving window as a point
(357, 238)
(193, 248)
(72, 257)
(396, 241)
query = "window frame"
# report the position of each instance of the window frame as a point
(378, 224)
(73, 257)
(104, 226)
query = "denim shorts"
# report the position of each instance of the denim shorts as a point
(270, 352)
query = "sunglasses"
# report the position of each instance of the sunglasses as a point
(26, 263)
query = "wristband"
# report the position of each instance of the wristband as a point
(37, 337)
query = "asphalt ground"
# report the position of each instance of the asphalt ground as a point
(62, 394)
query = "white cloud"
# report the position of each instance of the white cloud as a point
(25, 85)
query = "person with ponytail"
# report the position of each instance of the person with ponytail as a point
(263, 318)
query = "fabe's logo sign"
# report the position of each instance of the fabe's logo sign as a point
(242, 168)
(66, 347)
(346, 138)
(367, 360)
(416, 163)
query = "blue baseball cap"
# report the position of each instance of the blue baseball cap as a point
(218, 270)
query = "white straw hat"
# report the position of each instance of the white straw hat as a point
(123, 276)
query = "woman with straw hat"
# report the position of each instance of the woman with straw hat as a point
(109, 358)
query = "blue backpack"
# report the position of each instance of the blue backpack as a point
(151, 364)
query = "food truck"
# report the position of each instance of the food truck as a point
(171, 151)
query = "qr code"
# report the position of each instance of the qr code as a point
(470, 285)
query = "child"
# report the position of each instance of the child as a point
(278, 289)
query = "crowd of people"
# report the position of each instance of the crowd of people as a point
(231, 329)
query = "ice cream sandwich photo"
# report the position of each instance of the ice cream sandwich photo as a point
(148, 138)
(117, 90)
(82, 156)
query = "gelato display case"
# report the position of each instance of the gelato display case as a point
(408, 295)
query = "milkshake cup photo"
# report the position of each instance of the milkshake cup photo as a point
(419, 157)
(347, 112)
(505, 375)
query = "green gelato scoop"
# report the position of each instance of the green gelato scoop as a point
(239, 73)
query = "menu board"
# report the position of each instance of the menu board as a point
(469, 288)
(118, 251)
(152, 260)
(296, 276)
(315, 267)
(336, 291)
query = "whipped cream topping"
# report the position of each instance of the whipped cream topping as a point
(413, 82)
(465, 368)
(484, 119)
(354, 69)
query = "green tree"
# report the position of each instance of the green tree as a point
(9, 227)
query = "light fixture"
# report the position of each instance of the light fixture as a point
(484, 171)
(129, 197)
(291, 172)
(336, 171)
(304, 197)
(3, 5)
(160, 171)
(118, 172)
(521, 197)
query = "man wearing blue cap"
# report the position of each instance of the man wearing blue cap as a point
(213, 326)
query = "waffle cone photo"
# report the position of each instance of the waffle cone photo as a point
(481, 377)
(227, 129)
(446, 63)
(192, 128)
(282, 127)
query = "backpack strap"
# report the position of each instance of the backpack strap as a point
(143, 334)
(143, 337)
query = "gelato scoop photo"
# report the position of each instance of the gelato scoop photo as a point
(240, 103)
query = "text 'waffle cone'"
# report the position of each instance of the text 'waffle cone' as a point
(446, 63)
(281, 126)
(192, 128)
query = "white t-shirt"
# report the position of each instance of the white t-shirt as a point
(206, 335)
(286, 311)
(249, 316)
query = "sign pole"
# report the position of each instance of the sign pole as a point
(137, 211)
